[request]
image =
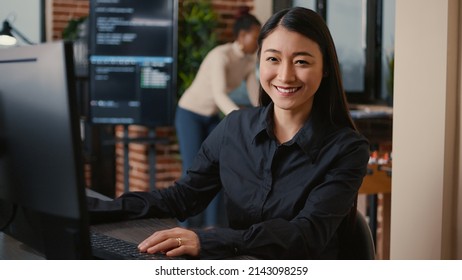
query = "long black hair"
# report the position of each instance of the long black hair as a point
(330, 104)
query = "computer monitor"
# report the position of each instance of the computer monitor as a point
(42, 190)
(132, 62)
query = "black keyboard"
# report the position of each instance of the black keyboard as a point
(111, 248)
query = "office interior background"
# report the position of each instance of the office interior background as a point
(422, 36)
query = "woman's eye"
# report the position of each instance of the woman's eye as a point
(271, 59)
(302, 62)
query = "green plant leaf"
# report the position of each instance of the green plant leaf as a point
(196, 38)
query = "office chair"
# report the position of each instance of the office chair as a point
(359, 244)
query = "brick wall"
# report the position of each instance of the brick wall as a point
(64, 10)
(168, 159)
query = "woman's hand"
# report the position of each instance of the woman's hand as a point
(173, 242)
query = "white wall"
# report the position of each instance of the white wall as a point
(425, 131)
(23, 15)
(263, 10)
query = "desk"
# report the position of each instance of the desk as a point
(12, 249)
(375, 123)
(132, 231)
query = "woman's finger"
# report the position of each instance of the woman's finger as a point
(173, 242)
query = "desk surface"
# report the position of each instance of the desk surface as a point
(133, 231)
(360, 111)
(12, 249)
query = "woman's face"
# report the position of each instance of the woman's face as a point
(291, 70)
(248, 39)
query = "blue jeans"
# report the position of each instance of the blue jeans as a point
(191, 130)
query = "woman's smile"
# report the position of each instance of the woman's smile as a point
(286, 91)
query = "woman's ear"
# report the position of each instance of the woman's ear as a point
(325, 74)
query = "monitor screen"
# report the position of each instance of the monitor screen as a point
(133, 61)
(42, 187)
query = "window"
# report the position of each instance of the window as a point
(363, 32)
(346, 21)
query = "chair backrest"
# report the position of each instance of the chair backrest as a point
(359, 244)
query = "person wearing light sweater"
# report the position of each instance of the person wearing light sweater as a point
(223, 70)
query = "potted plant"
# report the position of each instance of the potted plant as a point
(196, 37)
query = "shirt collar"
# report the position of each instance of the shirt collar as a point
(264, 129)
(263, 126)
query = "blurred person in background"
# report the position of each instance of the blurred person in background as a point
(223, 70)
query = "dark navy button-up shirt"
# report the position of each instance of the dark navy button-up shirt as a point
(283, 201)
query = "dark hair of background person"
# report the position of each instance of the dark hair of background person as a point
(330, 103)
(244, 21)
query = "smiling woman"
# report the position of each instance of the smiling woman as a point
(291, 72)
(289, 170)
